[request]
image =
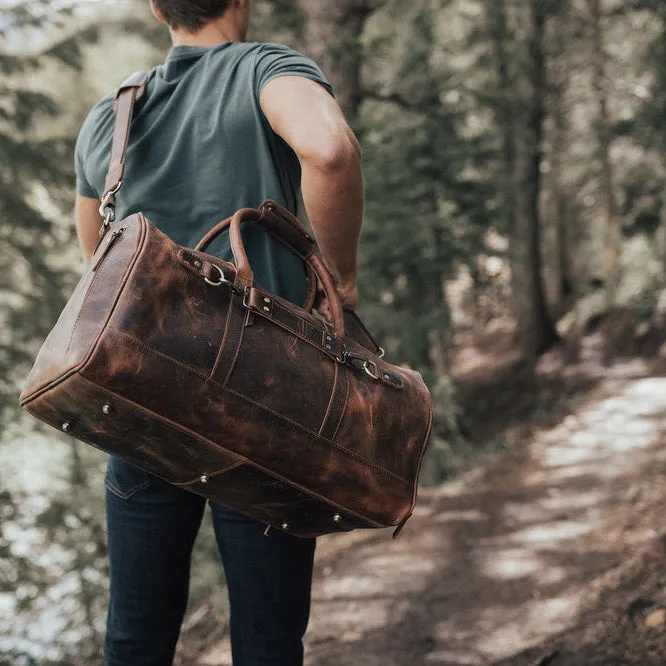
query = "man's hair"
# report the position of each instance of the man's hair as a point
(191, 15)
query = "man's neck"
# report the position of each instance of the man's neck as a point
(212, 34)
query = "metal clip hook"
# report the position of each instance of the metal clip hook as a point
(107, 207)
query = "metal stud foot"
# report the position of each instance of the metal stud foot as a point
(107, 409)
(66, 426)
(204, 479)
(337, 518)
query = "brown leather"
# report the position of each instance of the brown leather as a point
(130, 91)
(287, 229)
(176, 362)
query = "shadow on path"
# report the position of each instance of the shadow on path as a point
(491, 566)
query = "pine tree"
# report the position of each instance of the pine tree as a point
(36, 178)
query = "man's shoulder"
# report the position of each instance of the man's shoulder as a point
(103, 109)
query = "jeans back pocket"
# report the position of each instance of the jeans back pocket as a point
(124, 480)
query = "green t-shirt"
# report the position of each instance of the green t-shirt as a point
(200, 148)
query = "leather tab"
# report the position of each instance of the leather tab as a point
(137, 80)
(280, 313)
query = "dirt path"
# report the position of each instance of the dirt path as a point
(502, 559)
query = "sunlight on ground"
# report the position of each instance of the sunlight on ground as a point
(504, 568)
(551, 615)
(453, 516)
(552, 533)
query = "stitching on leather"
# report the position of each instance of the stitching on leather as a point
(211, 475)
(291, 330)
(164, 419)
(83, 304)
(330, 400)
(224, 336)
(344, 407)
(342, 450)
(239, 344)
(325, 500)
(142, 345)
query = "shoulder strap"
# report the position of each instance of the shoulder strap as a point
(130, 91)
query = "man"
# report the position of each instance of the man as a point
(223, 125)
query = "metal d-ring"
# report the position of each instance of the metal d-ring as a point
(380, 353)
(222, 278)
(366, 368)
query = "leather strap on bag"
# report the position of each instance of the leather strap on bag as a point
(245, 276)
(284, 227)
(130, 91)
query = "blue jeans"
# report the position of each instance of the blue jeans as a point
(151, 531)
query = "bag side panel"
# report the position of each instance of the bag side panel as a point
(130, 432)
(123, 429)
(85, 314)
(246, 428)
(387, 426)
(171, 309)
(270, 370)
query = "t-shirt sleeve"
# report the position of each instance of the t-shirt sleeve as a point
(275, 60)
(83, 187)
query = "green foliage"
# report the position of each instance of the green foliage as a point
(429, 202)
(36, 178)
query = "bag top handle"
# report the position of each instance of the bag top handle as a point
(130, 91)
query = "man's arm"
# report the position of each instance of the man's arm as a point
(305, 115)
(88, 224)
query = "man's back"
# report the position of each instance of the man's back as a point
(201, 148)
(223, 125)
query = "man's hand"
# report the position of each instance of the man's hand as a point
(305, 115)
(348, 295)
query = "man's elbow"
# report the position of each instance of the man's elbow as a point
(336, 154)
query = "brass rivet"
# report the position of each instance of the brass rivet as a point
(337, 518)
(328, 338)
(267, 300)
(328, 347)
(107, 409)
(66, 426)
(197, 264)
(267, 309)
(387, 376)
(285, 526)
(204, 479)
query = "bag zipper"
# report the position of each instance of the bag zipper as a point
(115, 235)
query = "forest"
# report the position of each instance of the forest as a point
(513, 251)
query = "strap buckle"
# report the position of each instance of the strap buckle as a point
(107, 207)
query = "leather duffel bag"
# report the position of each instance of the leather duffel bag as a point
(177, 362)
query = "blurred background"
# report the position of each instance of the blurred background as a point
(515, 160)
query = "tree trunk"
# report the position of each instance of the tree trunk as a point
(499, 34)
(536, 329)
(331, 36)
(559, 84)
(612, 219)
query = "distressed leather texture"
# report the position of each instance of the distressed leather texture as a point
(175, 361)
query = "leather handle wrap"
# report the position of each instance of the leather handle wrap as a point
(278, 222)
(245, 276)
(286, 228)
